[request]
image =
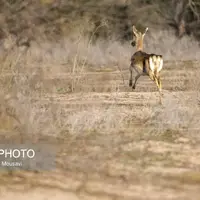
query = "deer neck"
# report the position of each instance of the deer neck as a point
(139, 44)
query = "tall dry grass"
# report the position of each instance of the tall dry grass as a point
(24, 72)
(112, 52)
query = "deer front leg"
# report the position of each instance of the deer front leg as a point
(131, 76)
(136, 78)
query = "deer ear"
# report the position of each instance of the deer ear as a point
(135, 31)
(145, 31)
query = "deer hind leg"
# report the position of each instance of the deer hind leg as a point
(159, 83)
(159, 86)
(156, 78)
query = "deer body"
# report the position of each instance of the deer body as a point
(144, 64)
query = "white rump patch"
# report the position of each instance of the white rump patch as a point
(160, 64)
(151, 64)
(155, 63)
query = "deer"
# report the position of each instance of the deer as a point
(145, 64)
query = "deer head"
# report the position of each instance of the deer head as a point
(138, 38)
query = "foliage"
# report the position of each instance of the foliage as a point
(56, 18)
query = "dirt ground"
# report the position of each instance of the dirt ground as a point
(153, 154)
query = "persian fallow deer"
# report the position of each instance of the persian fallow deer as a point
(143, 63)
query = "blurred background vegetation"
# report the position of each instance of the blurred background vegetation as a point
(84, 46)
(53, 19)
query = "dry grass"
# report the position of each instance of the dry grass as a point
(77, 93)
(30, 73)
(109, 53)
